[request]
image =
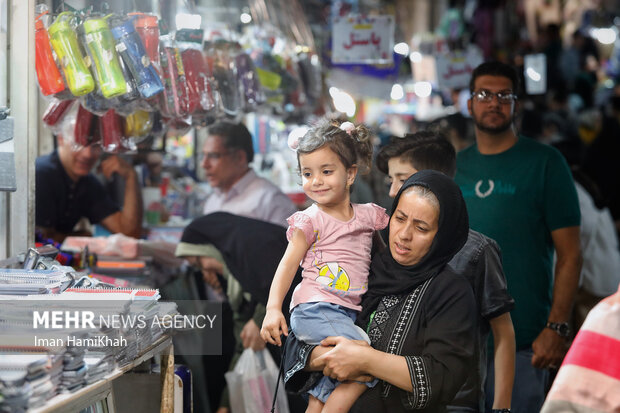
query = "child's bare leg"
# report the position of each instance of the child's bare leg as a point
(343, 397)
(314, 405)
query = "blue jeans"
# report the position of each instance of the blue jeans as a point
(313, 322)
(528, 392)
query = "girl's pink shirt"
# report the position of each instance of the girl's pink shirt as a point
(336, 266)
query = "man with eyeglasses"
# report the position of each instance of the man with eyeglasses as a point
(226, 155)
(67, 191)
(520, 193)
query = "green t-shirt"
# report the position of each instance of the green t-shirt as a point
(517, 198)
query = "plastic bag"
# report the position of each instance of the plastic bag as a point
(252, 383)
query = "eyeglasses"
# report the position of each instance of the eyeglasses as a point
(214, 156)
(486, 96)
(94, 147)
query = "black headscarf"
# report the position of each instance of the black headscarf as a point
(388, 277)
(252, 249)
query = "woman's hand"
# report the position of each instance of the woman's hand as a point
(274, 325)
(250, 336)
(346, 361)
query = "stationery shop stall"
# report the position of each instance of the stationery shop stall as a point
(95, 324)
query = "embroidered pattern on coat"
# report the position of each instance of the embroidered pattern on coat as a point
(421, 387)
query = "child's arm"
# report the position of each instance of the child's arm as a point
(504, 340)
(274, 323)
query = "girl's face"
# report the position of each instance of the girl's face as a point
(324, 177)
(413, 226)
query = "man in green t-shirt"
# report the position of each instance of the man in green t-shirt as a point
(521, 193)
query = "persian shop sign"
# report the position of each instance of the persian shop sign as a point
(357, 39)
(454, 69)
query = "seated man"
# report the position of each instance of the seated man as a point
(67, 191)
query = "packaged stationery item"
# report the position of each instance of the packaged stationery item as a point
(248, 79)
(106, 66)
(224, 69)
(196, 71)
(130, 47)
(111, 128)
(65, 43)
(48, 75)
(55, 111)
(77, 126)
(147, 28)
(175, 100)
(138, 124)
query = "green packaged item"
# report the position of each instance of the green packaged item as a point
(102, 50)
(65, 43)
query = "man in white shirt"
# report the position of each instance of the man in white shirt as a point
(226, 155)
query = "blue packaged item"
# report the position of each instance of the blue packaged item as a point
(131, 49)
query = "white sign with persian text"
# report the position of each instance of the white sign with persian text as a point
(357, 39)
(454, 69)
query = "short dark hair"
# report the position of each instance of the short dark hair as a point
(234, 136)
(495, 69)
(422, 150)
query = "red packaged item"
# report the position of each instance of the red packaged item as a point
(83, 127)
(198, 83)
(111, 128)
(55, 111)
(175, 102)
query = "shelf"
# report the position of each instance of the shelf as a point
(76, 401)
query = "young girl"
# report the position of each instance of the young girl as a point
(333, 238)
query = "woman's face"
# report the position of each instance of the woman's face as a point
(413, 227)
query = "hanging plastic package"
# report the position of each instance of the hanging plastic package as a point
(148, 29)
(130, 101)
(175, 101)
(101, 49)
(130, 47)
(111, 129)
(250, 86)
(138, 125)
(55, 111)
(225, 73)
(94, 102)
(76, 127)
(83, 127)
(295, 97)
(269, 75)
(196, 72)
(48, 74)
(64, 42)
(310, 74)
(179, 126)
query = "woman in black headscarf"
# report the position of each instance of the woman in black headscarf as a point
(420, 316)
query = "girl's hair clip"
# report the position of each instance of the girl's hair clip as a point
(293, 141)
(347, 127)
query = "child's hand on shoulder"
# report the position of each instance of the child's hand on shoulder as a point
(274, 325)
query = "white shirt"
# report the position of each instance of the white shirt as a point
(253, 197)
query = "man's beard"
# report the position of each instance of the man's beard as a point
(493, 130)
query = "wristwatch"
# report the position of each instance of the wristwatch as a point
(562, 329)
(500, 411)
